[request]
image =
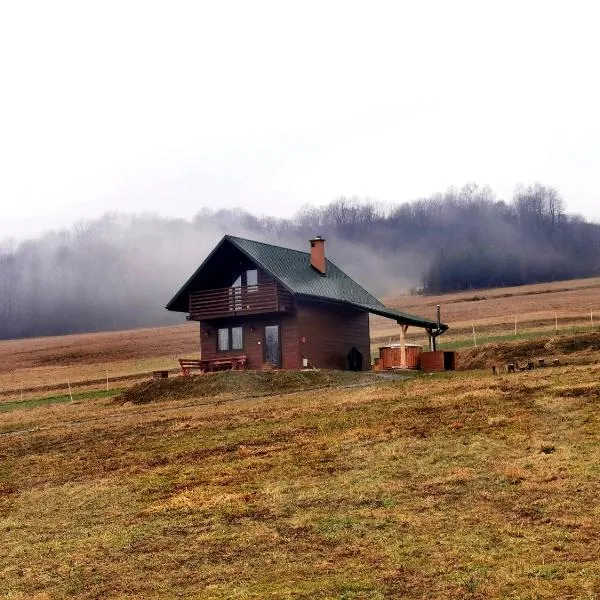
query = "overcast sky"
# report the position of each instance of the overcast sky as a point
(174, 106)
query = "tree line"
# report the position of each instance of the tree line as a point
(466, 238)
(119, 271)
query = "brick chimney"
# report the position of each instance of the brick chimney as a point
(317, 254)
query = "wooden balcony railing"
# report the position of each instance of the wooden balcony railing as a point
(232, 301)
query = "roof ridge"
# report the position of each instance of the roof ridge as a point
(235, 237)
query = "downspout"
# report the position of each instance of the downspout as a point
(433, 334)
(438, 329)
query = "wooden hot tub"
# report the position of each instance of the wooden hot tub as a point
(390, 356)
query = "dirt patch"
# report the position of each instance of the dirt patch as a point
(579, 347)
(242, 384)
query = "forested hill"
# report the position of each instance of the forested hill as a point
(119, 271)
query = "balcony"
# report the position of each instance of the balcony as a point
(235, 301)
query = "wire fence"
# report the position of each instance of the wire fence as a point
(57, 392)
(503, 328)
(522, 326)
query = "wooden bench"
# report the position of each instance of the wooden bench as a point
(235, 363)
(216, 364)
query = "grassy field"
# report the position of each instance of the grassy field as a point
(539, 310)
(318, 485)
(531, 334)
(458, 485)
(46, 366)
(43, 366)
(48, 400)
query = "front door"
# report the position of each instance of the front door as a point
(272, 345)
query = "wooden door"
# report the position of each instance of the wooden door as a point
(272, 352)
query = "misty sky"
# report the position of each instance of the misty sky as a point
(174, 106)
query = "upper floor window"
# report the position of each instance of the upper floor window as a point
(252, 279)
(248, 278)
(246, 282)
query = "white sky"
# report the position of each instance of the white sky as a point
(173, 106)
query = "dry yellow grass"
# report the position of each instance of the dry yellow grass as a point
(493, 311)
(48, 363)
(460, 485)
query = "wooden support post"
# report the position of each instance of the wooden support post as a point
(431, 339)
(403, 329)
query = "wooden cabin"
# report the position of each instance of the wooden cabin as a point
(271, 306)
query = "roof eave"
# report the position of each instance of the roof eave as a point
(408, 319)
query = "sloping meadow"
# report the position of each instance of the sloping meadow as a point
(579, 348)
(460, 485)
(241, 384)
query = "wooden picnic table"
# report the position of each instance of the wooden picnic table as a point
(235, 363)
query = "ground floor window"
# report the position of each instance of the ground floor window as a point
(229, 338)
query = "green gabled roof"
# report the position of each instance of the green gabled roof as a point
(292, 269)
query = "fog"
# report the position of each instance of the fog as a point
(119, 271)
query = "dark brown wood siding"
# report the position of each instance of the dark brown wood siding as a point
(327, 332)
(290, 343)
(253, 339)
